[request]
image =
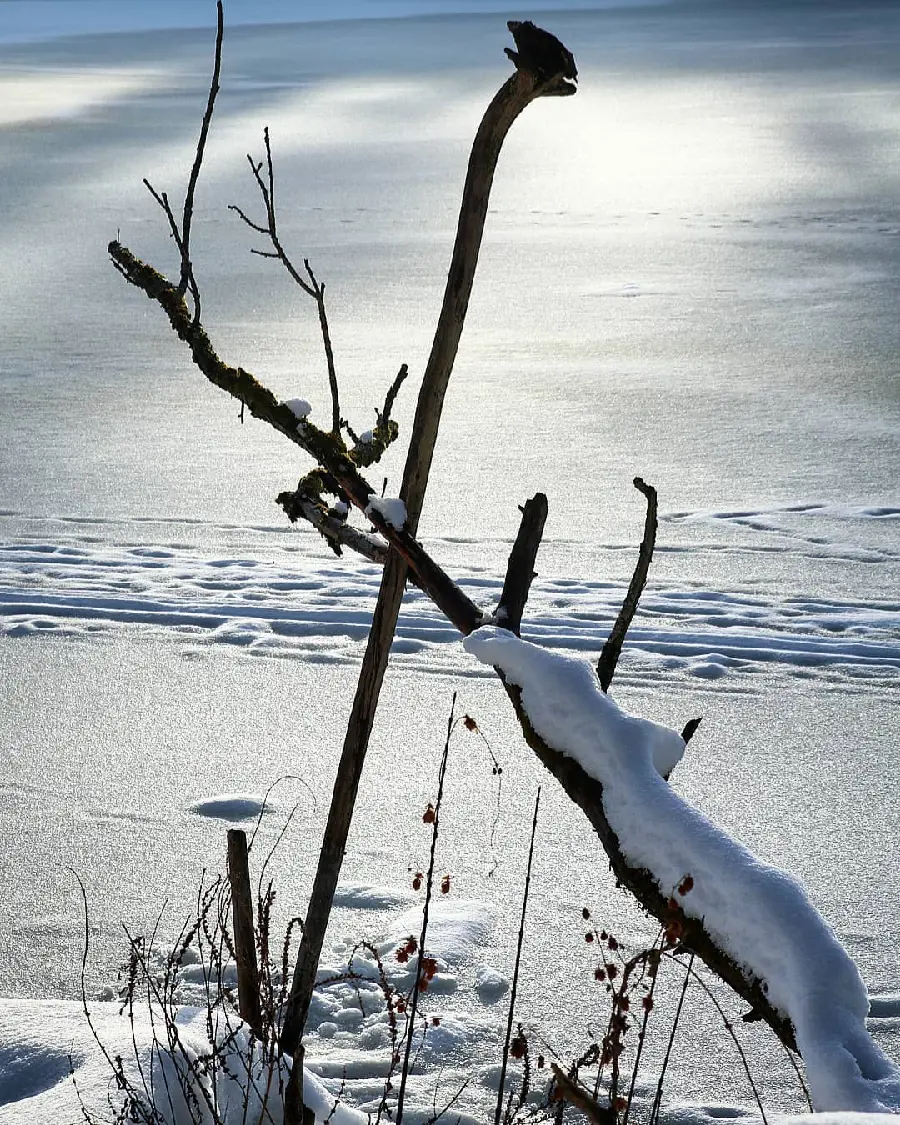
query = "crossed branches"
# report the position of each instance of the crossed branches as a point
(338, 474)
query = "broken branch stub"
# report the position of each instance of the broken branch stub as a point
(609, 657)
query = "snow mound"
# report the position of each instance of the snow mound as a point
(455, 928)
(366, 896)
(232, 806)
(391, 510)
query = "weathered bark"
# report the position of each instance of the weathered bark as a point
(244, 931)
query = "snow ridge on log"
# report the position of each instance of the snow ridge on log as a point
(759, 915)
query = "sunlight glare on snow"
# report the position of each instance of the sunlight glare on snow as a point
(46, 94)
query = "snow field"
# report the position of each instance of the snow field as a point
(282, 600)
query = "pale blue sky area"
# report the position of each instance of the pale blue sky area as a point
(21, 20)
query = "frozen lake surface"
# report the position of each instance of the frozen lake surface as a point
(691, 273)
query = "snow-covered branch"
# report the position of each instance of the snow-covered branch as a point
(788, 962)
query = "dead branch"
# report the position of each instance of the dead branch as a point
(327, 449)
(570, 1090)
(330, 453)
(587, 793)
(520, 568)
(609, 657)
(336, 531)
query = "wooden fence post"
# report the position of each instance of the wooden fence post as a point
(244, 936)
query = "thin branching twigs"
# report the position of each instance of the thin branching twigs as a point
(310, 285)
(324, 447)
(729, 1027)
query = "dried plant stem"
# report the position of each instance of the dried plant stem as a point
(423, 934)
(729, 1027)
(498, 1113)
(657, 1100)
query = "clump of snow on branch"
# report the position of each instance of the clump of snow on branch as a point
(299, 406)
(391, 510)
(759, 915)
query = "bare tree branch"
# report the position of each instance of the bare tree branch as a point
(312, 287)
(570, 1090)
(512, 98)
(329, 452)
(187, 269)
(327, 449)
(338, 533)
(609, 657)
(384, 415)
(587, 793)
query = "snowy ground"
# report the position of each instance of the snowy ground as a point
(276, 597)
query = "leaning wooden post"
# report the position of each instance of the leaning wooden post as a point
(544, 67)
(244, 933)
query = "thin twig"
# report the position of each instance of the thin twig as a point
(498, 1113)
(310, 285)
(319, 291)
(657, 1100)
(429, 885)
(729, 1027)
(187, 269)
(384, 415)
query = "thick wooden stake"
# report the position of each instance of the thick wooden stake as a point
(244, 934)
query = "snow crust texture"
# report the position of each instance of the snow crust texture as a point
(760, 915)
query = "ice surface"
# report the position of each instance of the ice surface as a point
(278, 599)
(761, 916)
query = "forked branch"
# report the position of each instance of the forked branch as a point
(309, 284)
